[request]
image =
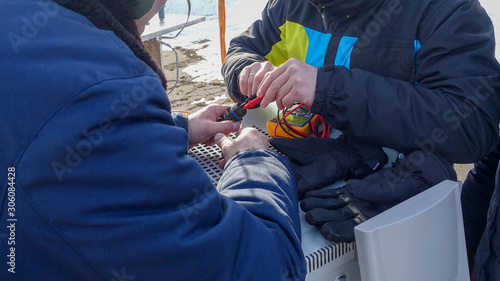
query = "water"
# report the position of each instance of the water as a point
(204, 37)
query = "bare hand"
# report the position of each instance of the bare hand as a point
(203, 125)
(294, 81)
(251, 76)
(247, 138)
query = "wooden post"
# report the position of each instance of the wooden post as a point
(222, 29)
(154, 49)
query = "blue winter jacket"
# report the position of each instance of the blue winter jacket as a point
(95, 180)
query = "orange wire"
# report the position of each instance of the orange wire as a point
(222, 29)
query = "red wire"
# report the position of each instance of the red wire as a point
(325, 133)
(311, 124)
(283, 119)
(279, 124)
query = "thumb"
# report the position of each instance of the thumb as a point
(222, 140)
(229, 126)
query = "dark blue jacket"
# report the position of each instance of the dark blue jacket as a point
(404, 74)
(95, 181)
(480, 205)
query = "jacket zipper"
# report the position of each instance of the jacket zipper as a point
(325, 25)
(321, 10)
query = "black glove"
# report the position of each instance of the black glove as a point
(320, 162)
(337, 211)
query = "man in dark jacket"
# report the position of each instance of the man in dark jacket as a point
(407, 75)
(480, 195)
(96, 183)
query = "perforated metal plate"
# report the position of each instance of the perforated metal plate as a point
(210, 156)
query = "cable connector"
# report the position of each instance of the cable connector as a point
(236, 112)
(252, 102)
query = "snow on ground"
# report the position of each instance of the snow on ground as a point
(239, 16)
(204, 37)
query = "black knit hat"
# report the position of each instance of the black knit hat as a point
(138, 8)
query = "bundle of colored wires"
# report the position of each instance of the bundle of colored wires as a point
(319, 127)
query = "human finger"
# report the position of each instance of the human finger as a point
(283, 93)
(271, 86)
(292, 96)
(225, 127)
(246, 78)
(267, 80)
(222, 142)
(216, 110)
(259, 76)
(250, 84)
(243, 80)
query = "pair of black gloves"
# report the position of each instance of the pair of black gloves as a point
(369, 189)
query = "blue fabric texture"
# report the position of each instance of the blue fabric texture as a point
(316, 54)
(103, 187)
(181, 120)
(344, 52)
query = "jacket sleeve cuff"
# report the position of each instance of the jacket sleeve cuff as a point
(181, 120)
(260, 157)
(325, 82)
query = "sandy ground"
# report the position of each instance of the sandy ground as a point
(462, 170)
(189, 95)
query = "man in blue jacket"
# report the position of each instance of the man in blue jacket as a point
(418, 77)
(96, 183)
